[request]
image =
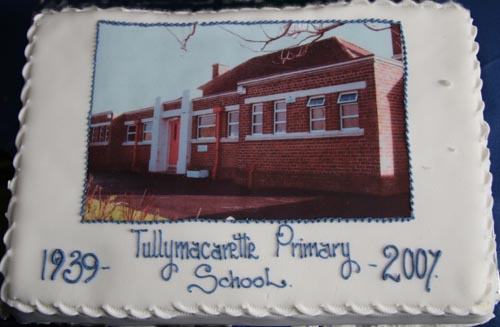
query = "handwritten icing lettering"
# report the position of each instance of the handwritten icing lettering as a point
(151, 244)
(348, 266)
(82, 265)
(435, 256)
(401, 265)
(408, 258)
(391, 252)
(209, 283)
(285, 239)
(168, 270)
(419, 263)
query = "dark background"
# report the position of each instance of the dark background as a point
(16, 16)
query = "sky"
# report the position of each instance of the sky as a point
(136, 64)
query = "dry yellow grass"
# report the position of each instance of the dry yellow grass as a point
(110, 210)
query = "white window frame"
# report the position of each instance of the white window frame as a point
(130, 133)
(106, 133)
(342, 103)
(316, 106)
(101, 137)
(229, 124)
(339, 101)
(144, 132)
(314, 98)
(276, 111)
(93, 131)
(255, 114)
(199, 126)
(311, 119)
(101, 133)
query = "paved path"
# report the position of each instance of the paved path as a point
(178, 197)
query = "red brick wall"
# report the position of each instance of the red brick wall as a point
(210, 103)
(392, 127)
(228, 150)
(396, 39)
(345, 164)
(340, 164)
(122, 156)
(118, 157)
(298, 112)
(351, 73)
(348, 164)
(99, 156)
(172, 105)
(223, 100)
(204, 160)
(101, 117)
(138, 115)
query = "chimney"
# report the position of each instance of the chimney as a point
(397, 49)
(219, 69)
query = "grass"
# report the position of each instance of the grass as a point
(118, 208)
(103, 210)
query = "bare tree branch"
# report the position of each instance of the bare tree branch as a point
(175, 36)
(265, 42)
(306, 35)
(186, 39)
(183, 43)
(312, 33)
(396, 39)
(316, 35)
(376, 29)
(277, 37)
(264, 31)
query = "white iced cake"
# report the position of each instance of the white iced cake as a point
(321, 165)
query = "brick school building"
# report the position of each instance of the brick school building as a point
(332, 118)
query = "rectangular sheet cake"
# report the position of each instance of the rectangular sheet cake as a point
(317, 165)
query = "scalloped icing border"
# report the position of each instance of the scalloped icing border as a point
(482, 308)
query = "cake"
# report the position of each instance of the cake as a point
(317, 165)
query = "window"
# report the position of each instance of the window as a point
(316, 101)
(347, 97)
(94, 136)
(279, 117)
(131, 131)
(257, 115)
(106, 133)
(147, 131)
(99, 134)
(206, 126)
(233, 119)
(102, 133)
(349, 111)
(317, 117)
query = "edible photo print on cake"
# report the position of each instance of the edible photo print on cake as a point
(253, 121)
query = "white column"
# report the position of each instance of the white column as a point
(154, 158)
(184, 133)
